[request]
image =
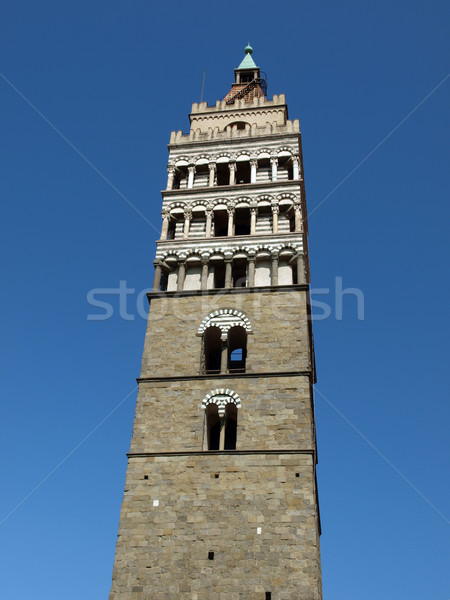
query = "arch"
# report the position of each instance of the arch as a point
(221, 397)
(237, 125)
(225, 319)
(237, 349)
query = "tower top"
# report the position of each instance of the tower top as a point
(247, 61)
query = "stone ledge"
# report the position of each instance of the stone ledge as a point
(299, 287)
(219, 452)
(207, 376)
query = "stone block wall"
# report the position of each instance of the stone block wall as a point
(256, 512)
(279, 341)
(275, 414)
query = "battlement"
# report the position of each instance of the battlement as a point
(203, 107)
(254, 130)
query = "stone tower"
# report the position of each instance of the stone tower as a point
(220, 497)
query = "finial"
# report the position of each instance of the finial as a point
(248, 49)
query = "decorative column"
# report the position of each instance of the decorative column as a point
(191, 172)
(205, 272)
(275, 213)
(251, 270)
(170, 176)
(157, 277)
(298, 217)
(209, 215)
(224, 354)
(228, 273)
(274, 277)
(222, 433)
(295, 167)
(253, 169)
(181, 275)
(274, 163)
(212, 173)
(301, 269)
(232, 167)
(165, 226)
(187, 223)
(253, 213)
(230, 210)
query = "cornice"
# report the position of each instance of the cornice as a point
(224, 189)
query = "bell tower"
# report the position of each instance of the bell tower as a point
(220, 497)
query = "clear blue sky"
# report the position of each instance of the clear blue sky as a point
(115, 78)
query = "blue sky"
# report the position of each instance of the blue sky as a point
(114, 79)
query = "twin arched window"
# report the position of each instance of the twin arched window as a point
(224, 342)
(224, 353)
(221, 409)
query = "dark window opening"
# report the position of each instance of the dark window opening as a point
(164, 281)
(171, 229)
(294, 274)
(223, 174)
(219, 274)
(180, 178)
(220, 223)
(242, 221)
(213, 427)
(243, 171)
(145, 476)
(239, 272)
(297, 474)
(230, 427)
(247, 77)
(268, 595)
(237, 349)
(212, 347)
(216, 475)
(210, 555)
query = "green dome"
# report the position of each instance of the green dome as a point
(248, 49)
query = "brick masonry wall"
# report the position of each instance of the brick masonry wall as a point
(162, 551)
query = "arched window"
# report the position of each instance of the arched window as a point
(224, 344)
(237, 349)
(212, 350)
(221, 408)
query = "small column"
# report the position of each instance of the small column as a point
(187, 223)
(274, 163)
(222, 433)
(157, 277)
(301, 269)
(212, 173)
(298, 218)
(274, 278)
(181, 275)
(232, 167)
(230, 210)
(205, 273)
(209, 215)
(251, 271)
(170, 176)
(191, 172)
(165, 226)
(224, 356)
(275, 213)
(253, 213)
(253, 169)
(228, 273)
(295, 167)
